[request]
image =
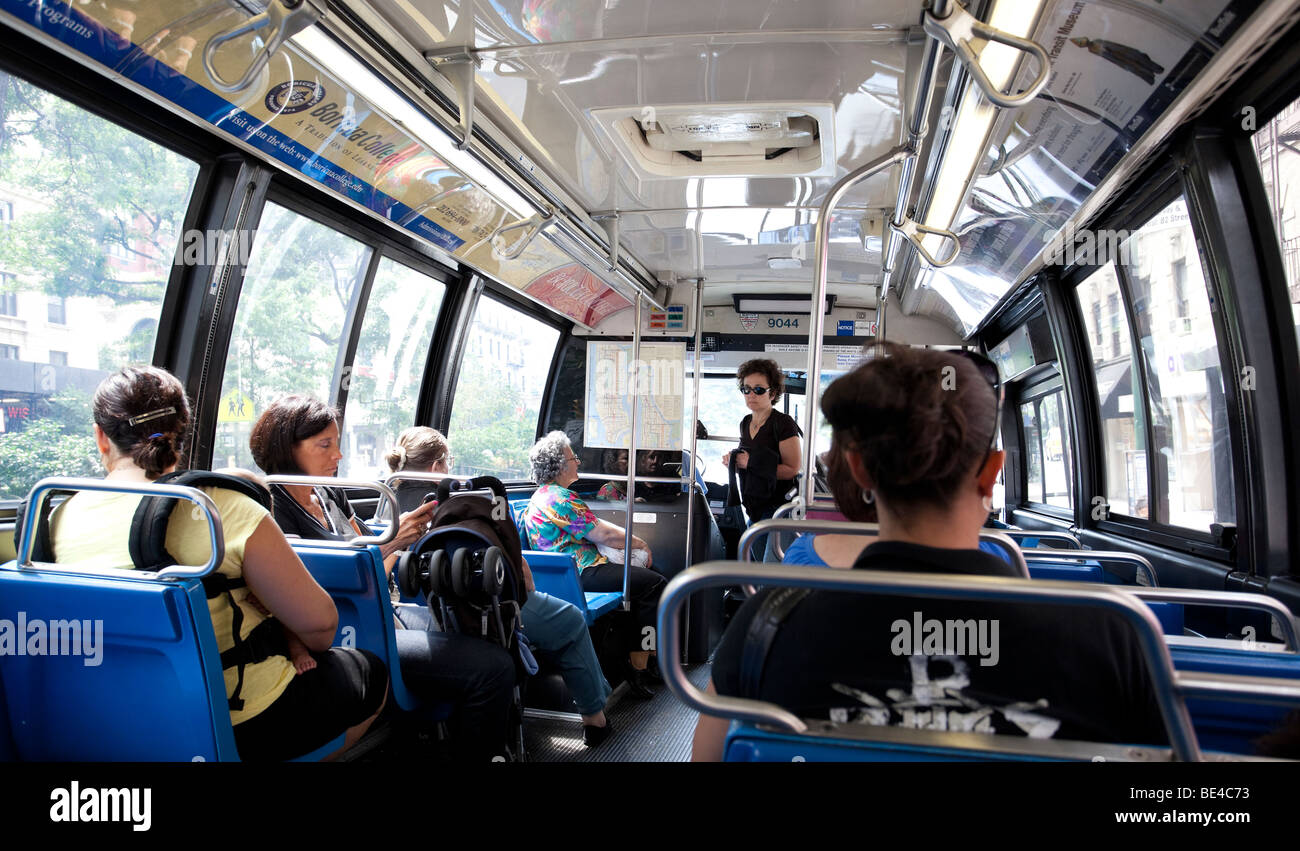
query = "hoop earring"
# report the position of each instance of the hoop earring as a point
(988, 502)
(868, 496)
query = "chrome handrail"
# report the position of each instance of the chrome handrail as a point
(1141, 562)
(959, 28)
(202, 502)
(1173, 709)
(1230, 599)
(285, 18)
(1016, 534)
(385, 493)
(844, 527)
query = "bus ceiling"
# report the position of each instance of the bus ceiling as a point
(594, 154)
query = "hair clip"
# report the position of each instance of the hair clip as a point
(154, 436)
(152, 415)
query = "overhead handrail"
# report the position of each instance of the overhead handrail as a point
(996, 589)
(1018, 534)
(959, 27)
(203, 503)
(1229, 599)
(844, 527)
(284, 18)
(1095, 555)
(385, 493)
(532, 226)
(427, 203)
(908, 229)
(1241, 687)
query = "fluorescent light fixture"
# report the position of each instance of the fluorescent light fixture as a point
(968, 143)
(403, 114)
(800, 304)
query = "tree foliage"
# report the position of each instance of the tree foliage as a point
(56, 444)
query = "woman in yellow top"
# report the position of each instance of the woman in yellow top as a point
(141, 417)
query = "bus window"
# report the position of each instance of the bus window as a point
(289, 324)
(1279, 163)
(1056, 451)
(1123, 429)
(90, 217)
(385, 379)
(1033, 451)
(1193, 471)
(721, 409)
(499, 391)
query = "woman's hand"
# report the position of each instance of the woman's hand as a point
(742, 460)
(529, 585)
(411, 526)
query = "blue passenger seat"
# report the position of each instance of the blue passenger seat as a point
(557, 574)
(157, 693)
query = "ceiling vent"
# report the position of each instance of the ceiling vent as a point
(724, 140)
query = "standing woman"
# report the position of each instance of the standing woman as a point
(770, 450)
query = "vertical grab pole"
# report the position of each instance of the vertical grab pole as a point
(698, 314)
(631, 453)
(818, 324)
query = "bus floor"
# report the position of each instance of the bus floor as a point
(656, 730)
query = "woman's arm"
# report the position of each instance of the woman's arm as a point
(710, 735)
(791, 458)
(277, 577)
(613, 536)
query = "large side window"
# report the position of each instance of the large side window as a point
(1164, 414)
(384, 383)
(499, 391)
(90, 217)
(289, 325)
(1279, 163)
(1192, 454)
(1057, 481)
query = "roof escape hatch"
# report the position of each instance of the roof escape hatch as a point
(740, 140)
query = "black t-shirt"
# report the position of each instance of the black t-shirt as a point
(778, 427)
(293, 519)
(1045, 671)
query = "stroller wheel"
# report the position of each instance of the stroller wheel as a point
(408, 574)
(436, 581)
(460, 572)
(494, 571)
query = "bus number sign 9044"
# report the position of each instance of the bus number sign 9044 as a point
(782, 323)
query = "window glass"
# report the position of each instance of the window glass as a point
(1056, 452)
(384, 384)
(1033, 451)
(1279, 163)
(499, 391)
(1193, 456)
(91, 219)
(289, 325)
(1123, 427)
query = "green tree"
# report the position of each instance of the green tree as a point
(490, 432)
(56, 444)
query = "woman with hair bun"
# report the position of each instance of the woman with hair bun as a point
(141, 420)
(917, 429)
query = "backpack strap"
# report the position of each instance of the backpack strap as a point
(148, 546)
(42, 547)
(773, 611)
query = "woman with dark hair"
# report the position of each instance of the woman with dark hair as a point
(770, 450)
(299, 435)
(141, 418)
(917, 428)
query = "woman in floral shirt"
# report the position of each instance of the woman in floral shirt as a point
(557, 520)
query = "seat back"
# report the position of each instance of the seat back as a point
(354, 578)
(138, 679)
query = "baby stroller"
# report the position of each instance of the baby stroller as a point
(469, 570)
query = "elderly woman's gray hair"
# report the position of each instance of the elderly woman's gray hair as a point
(547, 457)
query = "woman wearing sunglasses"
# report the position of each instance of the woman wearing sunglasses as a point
(770, 450)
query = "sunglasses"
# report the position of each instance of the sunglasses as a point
(757, 391)
(989, 370)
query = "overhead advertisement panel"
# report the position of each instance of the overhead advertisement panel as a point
(306, 119)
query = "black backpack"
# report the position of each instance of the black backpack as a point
(148, 548)
(471, 562)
